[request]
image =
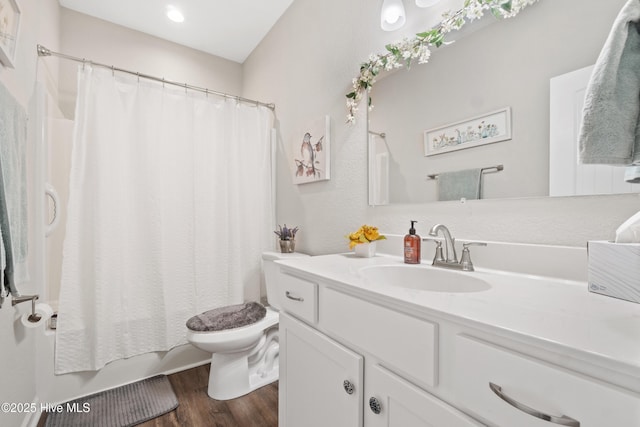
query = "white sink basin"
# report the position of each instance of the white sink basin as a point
(424, 278)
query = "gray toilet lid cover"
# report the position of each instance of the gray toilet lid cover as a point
(228, 317)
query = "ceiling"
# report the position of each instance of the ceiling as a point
(230, 29)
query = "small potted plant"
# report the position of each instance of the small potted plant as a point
(287, 238)
(363, 241)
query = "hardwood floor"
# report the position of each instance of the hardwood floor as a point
(197, 409)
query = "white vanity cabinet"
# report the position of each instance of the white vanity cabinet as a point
(528, 352)
(324, 382)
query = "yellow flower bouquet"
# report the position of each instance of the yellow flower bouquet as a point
(365, 234)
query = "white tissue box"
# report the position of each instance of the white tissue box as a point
(614, 269)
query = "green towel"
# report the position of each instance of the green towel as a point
(610, 132)
(459, 184)
(13, 191)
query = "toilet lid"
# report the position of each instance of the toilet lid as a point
(228, 317)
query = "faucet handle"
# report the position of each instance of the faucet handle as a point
(439, 256)
(433, 239)
(465, 259)
(466, 245)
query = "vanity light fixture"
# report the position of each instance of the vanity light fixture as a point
(426, 3)
(392, 16)
(174, 14)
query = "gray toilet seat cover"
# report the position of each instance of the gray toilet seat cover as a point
(228, 317)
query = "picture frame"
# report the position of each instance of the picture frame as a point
(480, 130)
(9, 26)
(312, 152)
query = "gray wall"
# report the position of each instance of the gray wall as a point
(305, 65)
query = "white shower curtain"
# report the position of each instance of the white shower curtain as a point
(170, 207)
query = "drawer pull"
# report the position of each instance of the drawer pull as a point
(288, 294)
(562, 420)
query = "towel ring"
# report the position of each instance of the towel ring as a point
(53, 194)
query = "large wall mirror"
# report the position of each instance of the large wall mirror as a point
(506, 65)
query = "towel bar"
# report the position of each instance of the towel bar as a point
(496, 168)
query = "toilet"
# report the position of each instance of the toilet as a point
(242, 338)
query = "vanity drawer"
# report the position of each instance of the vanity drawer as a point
(298, 297)
(404, 344)
(484, 371)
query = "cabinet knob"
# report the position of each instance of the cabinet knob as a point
(375, 405)
(348, 387)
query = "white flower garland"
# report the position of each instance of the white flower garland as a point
(419, 48)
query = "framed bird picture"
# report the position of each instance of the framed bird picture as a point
(311, 152)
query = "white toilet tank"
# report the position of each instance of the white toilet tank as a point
(270, 270)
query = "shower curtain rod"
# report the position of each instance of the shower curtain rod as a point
(43, 51)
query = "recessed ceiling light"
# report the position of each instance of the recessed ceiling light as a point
(174, 14)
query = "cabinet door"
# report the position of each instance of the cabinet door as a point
(401, 404)
(313, 371)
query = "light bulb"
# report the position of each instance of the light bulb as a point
(392, 16)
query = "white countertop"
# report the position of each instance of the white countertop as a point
(561, 315)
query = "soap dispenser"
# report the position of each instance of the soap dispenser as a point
(412, 244)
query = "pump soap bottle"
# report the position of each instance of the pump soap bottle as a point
(412, 246)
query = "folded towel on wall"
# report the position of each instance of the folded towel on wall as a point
(13, 191)
(459, 184)
(610, 132)
(8, 278)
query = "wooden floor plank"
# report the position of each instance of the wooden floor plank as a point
(196, 408)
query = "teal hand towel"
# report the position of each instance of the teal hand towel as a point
(13, 191)
(459, 184)
(609, 133)
(3, 262)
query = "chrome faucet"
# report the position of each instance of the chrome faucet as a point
(451, 259)
(449, 242)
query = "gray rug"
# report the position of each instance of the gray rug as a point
(128, 405)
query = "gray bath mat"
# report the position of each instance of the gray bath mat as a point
(128, 405)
